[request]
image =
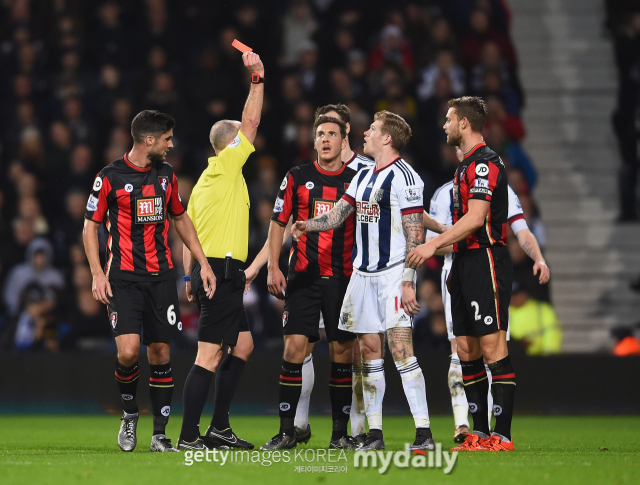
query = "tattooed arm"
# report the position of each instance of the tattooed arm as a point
(332, 219)
(414, 234)
(529, 245)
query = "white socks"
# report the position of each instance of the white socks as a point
(414, 389)
(373, 391)
(458, 397)
(357, 414)
(308, 378)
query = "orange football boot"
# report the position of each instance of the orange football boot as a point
(495, 443)
(473, 442)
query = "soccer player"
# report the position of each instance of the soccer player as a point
(380, 297)
(319, 270)
(441, 210)
(219, 207)
(135, 194)
(481, 274)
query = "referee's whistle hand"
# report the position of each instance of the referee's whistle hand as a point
(208, 281)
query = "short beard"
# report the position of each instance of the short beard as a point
(454, 142)
(155, 157)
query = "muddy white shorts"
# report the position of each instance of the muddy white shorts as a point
(373, 302)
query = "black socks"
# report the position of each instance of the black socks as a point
(290, 389)
(227, 378)
(476, 387)
(127, 380)
(160, 390)
(196, 390)
(340, 390)
(503, 388)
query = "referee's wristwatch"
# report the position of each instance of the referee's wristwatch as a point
(257, 78)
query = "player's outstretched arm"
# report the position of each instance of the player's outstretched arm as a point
(100, 287)
(412, 226)
(253, 107)
(261, 258)
(468, 224)
(442, 251)
(432, 225)
(529, 245)
(186, 231)
(332, 219)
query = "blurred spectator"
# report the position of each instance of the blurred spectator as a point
(298, 25)
(37, 269)
(481, 33)
(392, 49)
(443, 65)
(625, 342)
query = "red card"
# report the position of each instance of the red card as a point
(240, 46)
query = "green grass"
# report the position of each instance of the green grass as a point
(83, 449)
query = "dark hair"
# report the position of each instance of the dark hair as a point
(331, 119)
(395, 126)
(342, 109)
(150, 122)
(473, 109)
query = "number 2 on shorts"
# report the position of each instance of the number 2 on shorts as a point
(476, 307)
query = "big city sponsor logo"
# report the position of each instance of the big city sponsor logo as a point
(367, 212)
(330, 461)
(149, 210)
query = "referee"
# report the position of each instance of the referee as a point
(219, 208)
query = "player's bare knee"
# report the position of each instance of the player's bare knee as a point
(243, 349)
(341, 352)
(294, 350)
(159, 353)
(128, 355)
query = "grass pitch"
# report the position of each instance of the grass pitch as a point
(83, 449)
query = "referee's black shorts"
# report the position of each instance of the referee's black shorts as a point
(481, 291)
(302, 306)
(223, 317)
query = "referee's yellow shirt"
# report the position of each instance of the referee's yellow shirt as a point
(219, 203)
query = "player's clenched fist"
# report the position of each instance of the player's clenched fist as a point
(253, 63)
(298, 229)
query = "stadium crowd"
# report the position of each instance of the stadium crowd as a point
(75, 73)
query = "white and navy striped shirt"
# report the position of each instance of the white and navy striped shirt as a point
(357, 162)
(381, 198)
(441, 209)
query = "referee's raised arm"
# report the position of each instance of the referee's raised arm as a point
(253, 106)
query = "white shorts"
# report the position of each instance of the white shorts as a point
(373, 302)
(446, 301)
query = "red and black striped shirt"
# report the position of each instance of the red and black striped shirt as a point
(308, 191)
(136, 203)
(482, 176)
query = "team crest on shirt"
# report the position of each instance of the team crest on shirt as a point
(150, 210)
(164, 182)
(322, 206)
(378, 195)
(113, 319)
(285, 318)
(367, 212)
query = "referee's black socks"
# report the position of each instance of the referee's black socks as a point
(127, 380)
(196, 390)
(503, 388)
(476, 387)
(160, 390)
(227, 378)
(340, 390)
(290, 389)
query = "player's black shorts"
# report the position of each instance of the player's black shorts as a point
(223, 317)
(147, 308)
(302, 306)
(481, 291)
